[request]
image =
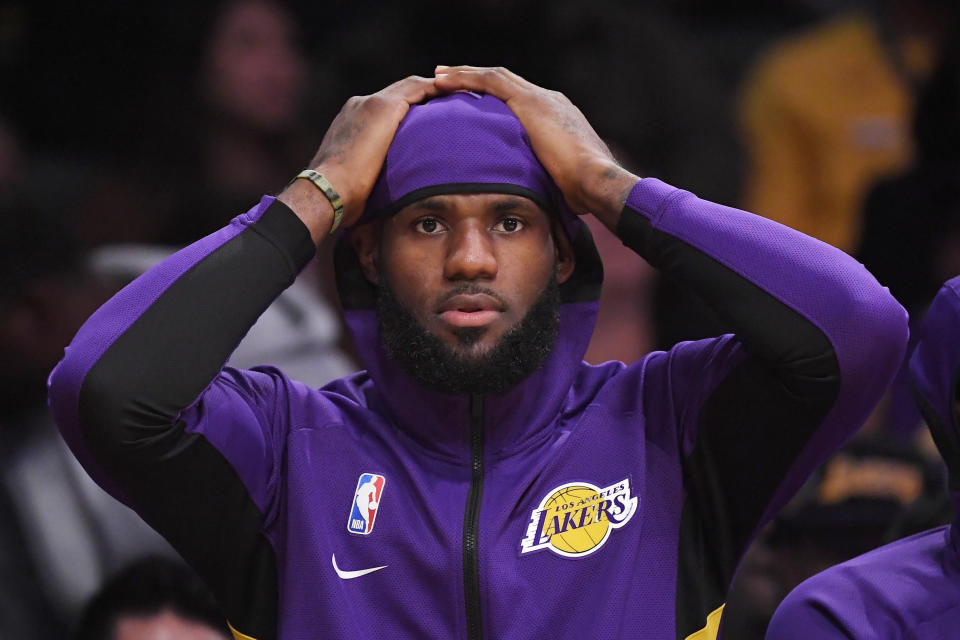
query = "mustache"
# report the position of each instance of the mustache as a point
(471, 288)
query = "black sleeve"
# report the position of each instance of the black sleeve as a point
(184, 319)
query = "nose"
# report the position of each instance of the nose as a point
(470, 255)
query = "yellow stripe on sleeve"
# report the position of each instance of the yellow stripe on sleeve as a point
(237, 635)
(710, 631)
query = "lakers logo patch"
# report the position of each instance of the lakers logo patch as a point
(576, 518)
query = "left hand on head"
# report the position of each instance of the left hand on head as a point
(571, 151)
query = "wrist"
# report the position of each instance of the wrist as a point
(311, 206)
(606, 188)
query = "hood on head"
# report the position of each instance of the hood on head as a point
(462, 143)
(469, 143)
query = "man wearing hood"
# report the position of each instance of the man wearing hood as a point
(478, 480)
(909, 588)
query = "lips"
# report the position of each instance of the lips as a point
(470, 310)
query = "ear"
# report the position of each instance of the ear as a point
(566, 260)
(366, 243)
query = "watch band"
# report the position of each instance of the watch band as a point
(327, 189)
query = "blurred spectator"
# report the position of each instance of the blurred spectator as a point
(238, 133)
(220, 125)
(826, 113)
(153, 599)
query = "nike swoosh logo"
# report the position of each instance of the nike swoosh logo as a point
(348, 575)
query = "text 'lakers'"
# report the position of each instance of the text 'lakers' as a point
(576, 518)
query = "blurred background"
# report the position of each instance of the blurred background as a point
(130, 129)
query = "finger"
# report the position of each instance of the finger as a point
(494, 81)
(414, 89)
(442, 69)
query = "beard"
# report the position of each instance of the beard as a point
(519, 352)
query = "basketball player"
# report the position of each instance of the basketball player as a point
(522, 493)
(909, 588)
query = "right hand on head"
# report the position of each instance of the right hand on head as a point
(353, 151)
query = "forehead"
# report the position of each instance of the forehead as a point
(473, 203)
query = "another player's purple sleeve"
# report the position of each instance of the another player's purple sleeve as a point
(909, 588)
(811, 612)
(935, 372)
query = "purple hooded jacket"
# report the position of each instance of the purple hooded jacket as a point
(604, 502)
(908, 589)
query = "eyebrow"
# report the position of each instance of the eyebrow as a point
(511, 203)
(436, 203)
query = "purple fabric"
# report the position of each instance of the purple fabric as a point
(464, 138)
(909, 589)
(934, 369)
(106, 325)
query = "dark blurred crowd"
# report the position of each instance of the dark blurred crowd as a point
(130, 129)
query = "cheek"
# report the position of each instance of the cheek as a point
(413, 273)
(528, 269)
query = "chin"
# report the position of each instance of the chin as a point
(474, 341)
(476, 352)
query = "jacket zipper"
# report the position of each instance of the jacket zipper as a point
(471, 521)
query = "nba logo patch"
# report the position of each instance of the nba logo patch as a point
(366, 502)
(576, 518)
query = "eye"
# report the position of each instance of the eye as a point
(508, 225)
(429, 226)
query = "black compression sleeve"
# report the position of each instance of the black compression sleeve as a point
(752, 426)
(132, 395)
